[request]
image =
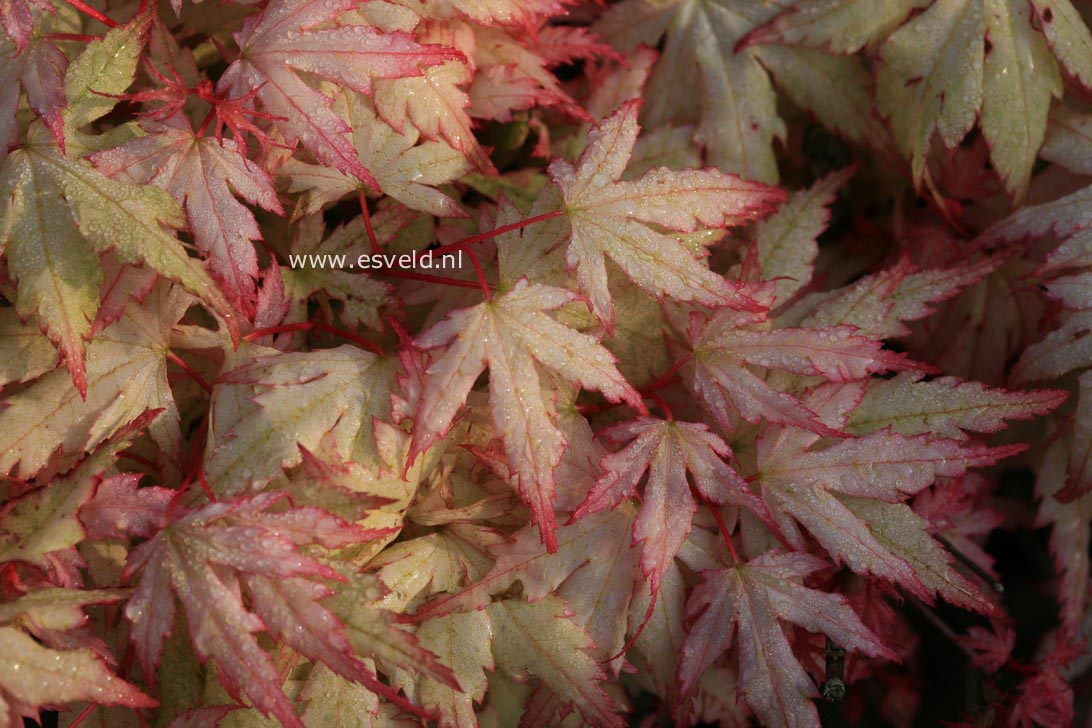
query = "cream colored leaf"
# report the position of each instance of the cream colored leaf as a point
(126, 377)
(930, 77)
(542, 639)
(266, 407)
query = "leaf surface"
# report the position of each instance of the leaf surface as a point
(513, 335)
(751, 600)
(612, 219)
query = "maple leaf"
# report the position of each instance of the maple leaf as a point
(197, 171)
(542, 639)
(44, 521)
(514, 337)
(848, 495)
(48, 421)
(437, 105)
(264, 408)
(57, 214)
(463, 641)
(26, 354)
(992, 647)
(667, 450)
(751, 600)
(284, 40)
(102, 72)
(735, 106)
(17, 17)
(407, 171)
(730, 342)
(1067, 347)
(521, 14)
(842, 26)
(612, 218)
(879, 304)
(936, 75)
(38, 67)
(205, 556)
(786, 242)
(1066, 505)
(119, 507)
(39, 525)
(945, 407)
(594, 569)
(512, 73)
(34, 675)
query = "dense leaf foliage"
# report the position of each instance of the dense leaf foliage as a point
(531, 362)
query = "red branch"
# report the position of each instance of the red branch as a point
(723, 531)
(92, 12)
(316, 326)
(189, 370)
(498, 231)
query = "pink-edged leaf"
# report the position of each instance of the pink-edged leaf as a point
(879, 304)
(594, 569)
(33, 675)
(849, 495)
(668, 450)
(1070, 520)
(514, 337)
(543, 639)
(611, 219)
(285, 40)
(17, 18)
(202, 557)
(730, 342)
(437, 105)
(751, 600)
(119, 507)
(200, 173)
(945, 407)
(992, 647)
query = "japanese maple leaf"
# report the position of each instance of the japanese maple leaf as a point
(1066, 505)
(541, 638)
(879, 304)
(284, 40)
(849, 495)
(17, 18)
(667, 450)
(595, 569)
(751, 600)
(57, 215)
(522, 14)
(514, 337)
(733, 103)
(119, 508)
(405, 170)
(272, 402)
(936, 75)
(40, 667)
(38, 66)
(206, 556)
(613, 219)
(48, 421)
(197, 171)
(435, 102)
(730, 345)
(38, 524)
(786, 243)
(945, 406)
(842, 26)
(512, 73)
